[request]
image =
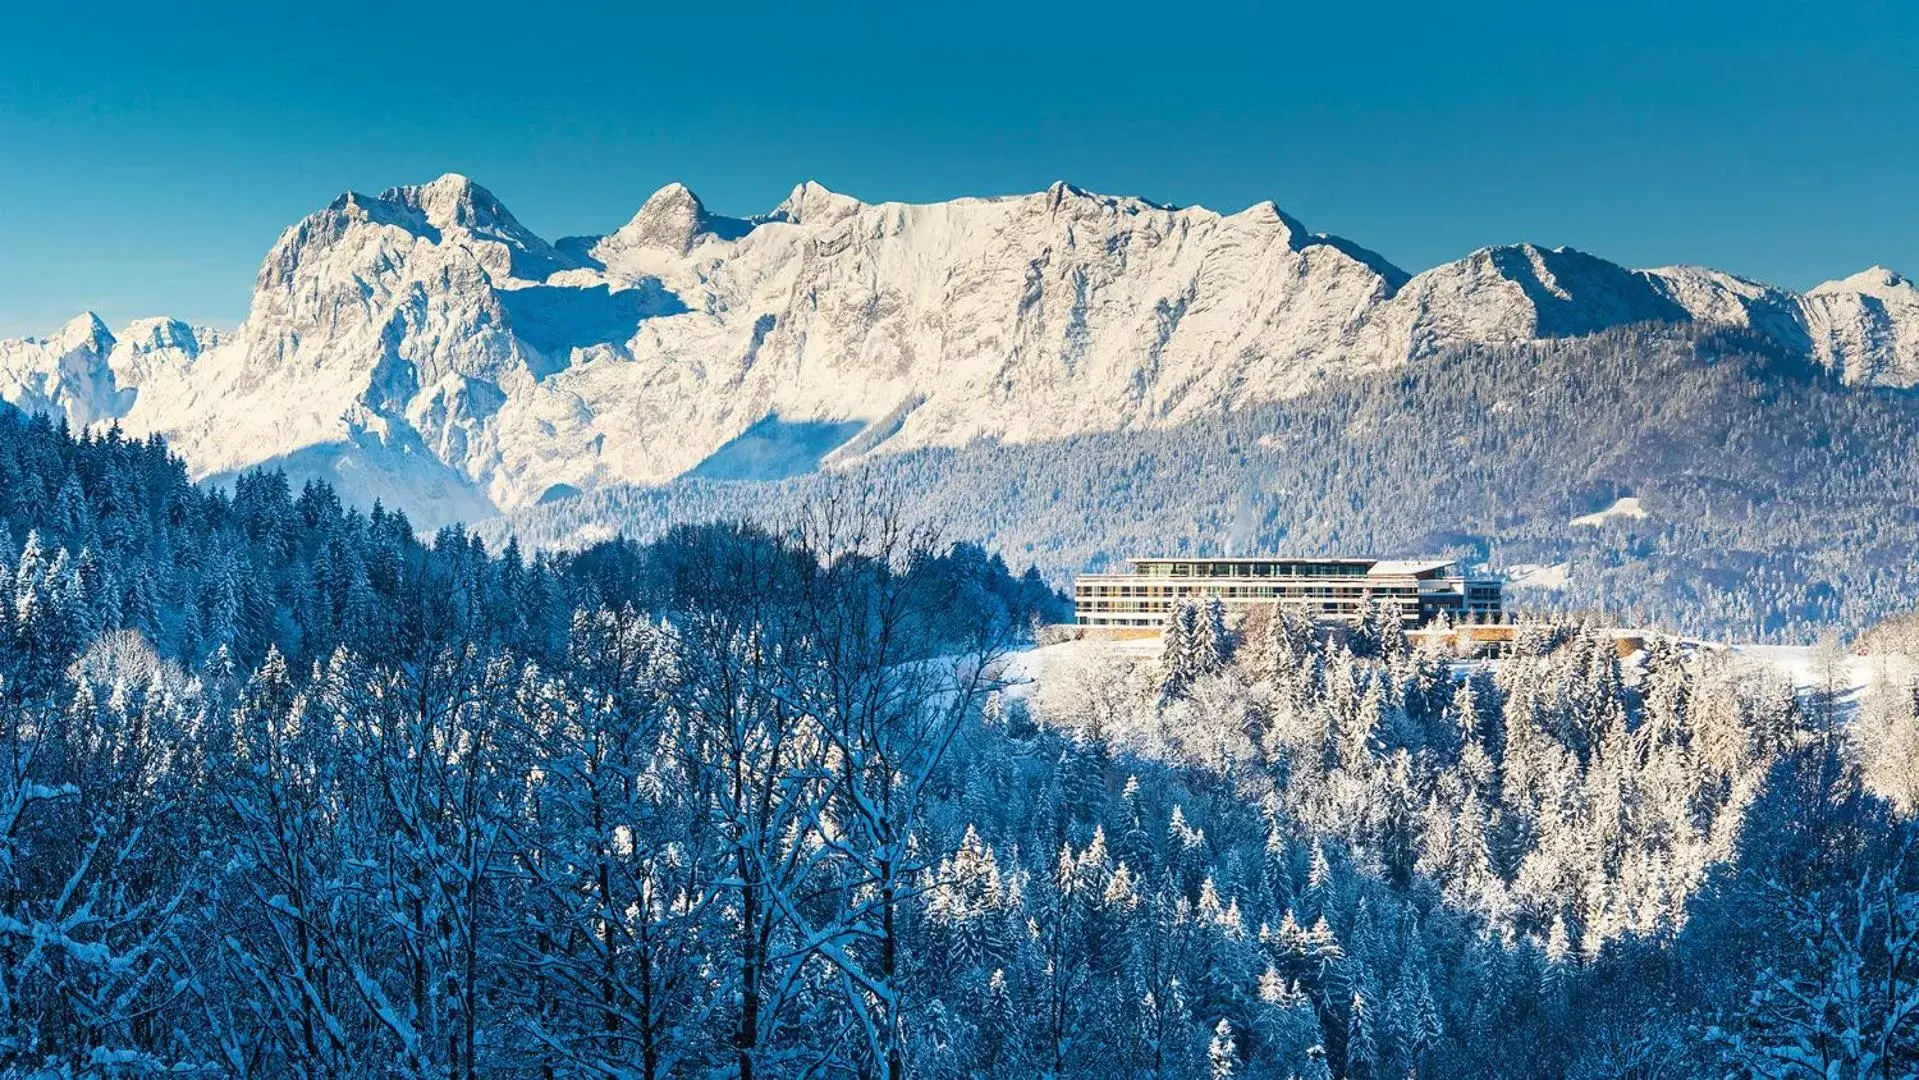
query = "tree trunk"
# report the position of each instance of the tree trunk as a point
(747, 1033)
(889, 971)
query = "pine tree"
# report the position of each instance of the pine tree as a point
(1362, 1047)
(1319, 871)
(1393, 644)
(1222, 1053)
(1001, 1049)
(1178, 655)
(1210, 643)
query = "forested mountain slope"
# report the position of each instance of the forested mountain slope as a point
(1776, 500)
(287, 791)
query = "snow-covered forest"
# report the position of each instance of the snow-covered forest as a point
(1776, 498)
(287, 790)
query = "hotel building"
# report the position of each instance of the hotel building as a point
(1328, 589)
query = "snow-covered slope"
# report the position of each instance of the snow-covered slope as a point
(1867, 326)
(424, 346)
(1627, 509)
(87, 375)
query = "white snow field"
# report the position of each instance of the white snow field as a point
(1627, 508)
(1528, 576)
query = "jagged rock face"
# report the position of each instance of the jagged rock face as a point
(425, 347)
(386, 324)
(1016, 318)
(669, 223)
(1514, 293)
(87, 376)
(65, 374)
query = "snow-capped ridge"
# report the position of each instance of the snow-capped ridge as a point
(451, 207)
(1060, 191)
(453, 201)
(813, 203)
(84, 331)
(1866, 327)
(87, 374)
(428, 324)
(352, 207)
(1874, 281)
(147, 335)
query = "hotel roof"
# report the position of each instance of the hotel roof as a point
(1367, 565)
(1414, 567)
(1354, 559)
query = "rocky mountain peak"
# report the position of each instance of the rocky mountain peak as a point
(670, 220)
(152, 335)
(812, 203)
(84, 332)
(455, 202)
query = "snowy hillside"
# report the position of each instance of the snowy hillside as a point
(425, 347)
(1687, 477)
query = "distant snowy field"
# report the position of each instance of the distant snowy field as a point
(1803, 664)
(1852, 674)
(1024, 670)
(1627, 508)
(1530, 576)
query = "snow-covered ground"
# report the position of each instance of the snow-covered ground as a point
(1806, 665)
(1627, 508)
(1810, 668)
(1023, 670)
(1529, 576)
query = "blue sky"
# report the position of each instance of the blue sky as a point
(148, 158)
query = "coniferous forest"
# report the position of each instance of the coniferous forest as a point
(1775, 498)
(287, 790)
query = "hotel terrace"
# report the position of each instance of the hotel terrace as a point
(1327, 589)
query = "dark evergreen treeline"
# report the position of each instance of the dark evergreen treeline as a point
(198, 571)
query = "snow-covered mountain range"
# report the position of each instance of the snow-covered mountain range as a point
(424, 347)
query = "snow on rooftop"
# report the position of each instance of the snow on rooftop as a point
(1366, 564)
(1359, 563)
(1389, 567)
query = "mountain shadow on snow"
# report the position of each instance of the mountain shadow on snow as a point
(558, 319)
(776, 449)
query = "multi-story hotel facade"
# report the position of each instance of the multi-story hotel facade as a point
(1327, 589)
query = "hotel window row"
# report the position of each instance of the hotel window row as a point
(1326, 588)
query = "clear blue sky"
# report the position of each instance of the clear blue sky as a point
(148, 158)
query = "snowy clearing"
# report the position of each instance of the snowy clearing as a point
(1627, 507)
(1530, 576)
(1851, 673)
